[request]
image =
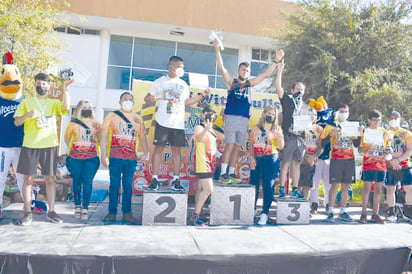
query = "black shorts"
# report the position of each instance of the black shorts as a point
(173, 137)
(306, 175)
(394, 176)
(342, 171)
(205, 175)
(294, 149)
(376, 176)
(30, 157)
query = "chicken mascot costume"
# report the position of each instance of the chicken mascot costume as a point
(11, 137)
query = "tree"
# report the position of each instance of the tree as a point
(27, 29)
(352, 52)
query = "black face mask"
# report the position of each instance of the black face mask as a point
(86, 113)
(41, 90)
(269, 119)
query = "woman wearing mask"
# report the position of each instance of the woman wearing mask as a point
(82, 139)
(266, 138)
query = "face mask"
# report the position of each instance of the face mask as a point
(395, 123)
(41, 90)
(127, 105)
(86, 113)
(180, 72)
(343, 116)
(269, 119)
(297, 94)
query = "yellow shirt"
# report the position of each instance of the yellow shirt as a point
(43, 133)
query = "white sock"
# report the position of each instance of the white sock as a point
(342, 210)
(231, 170)
(155, 177)
(331, 209)
(175, 177)
(224, 168)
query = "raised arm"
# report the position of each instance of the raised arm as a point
(226, 75)
(278, 81)
(66, 94)
(269, 70)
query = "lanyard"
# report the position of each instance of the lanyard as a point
(42, 109)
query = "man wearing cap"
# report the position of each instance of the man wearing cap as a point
(399, 169)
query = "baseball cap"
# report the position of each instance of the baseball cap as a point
(394, 112)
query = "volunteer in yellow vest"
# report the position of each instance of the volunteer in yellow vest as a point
(38, 114)
(399, 167)
(125, 132)
(82, 139)
(374, 166)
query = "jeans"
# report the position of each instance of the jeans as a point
(83, 172)
(267, 169)
(121, 170)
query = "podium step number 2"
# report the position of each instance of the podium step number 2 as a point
(164, 208)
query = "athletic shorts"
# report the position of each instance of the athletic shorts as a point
(30, 157)
(306, 175)
(294, 149)
(342, 171)
(205, 175)
(235, 129)
(376, 176)
(394, 176)
(173, 137)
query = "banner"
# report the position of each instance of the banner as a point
(188, 179)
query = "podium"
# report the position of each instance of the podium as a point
(232, 204)
(292, 211)
(164, 207)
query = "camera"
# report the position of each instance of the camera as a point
(210, 117)
(66, 74)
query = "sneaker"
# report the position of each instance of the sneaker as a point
(154, 185)
(314, 208)
(327, 208)
(27, 218)
(263, 219)
(234, 179)
(345, 217)
(330, 218)
(85, 214)
(224, 178)
(391, 218)
(282, 192)
(175, 185)
(363, 219)
(54, 218)
(197, 221)
(296, 194)
(129, 218)
(109, 218)
(77, 212)
(377, 219)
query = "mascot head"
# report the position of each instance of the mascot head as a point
(325, 114)
(11, 83)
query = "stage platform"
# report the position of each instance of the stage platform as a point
(93, 247)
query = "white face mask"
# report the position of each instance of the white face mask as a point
(395, 123)
(180, 72)
(127, 105)
(342, 116)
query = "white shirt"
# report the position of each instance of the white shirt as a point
(171, 94)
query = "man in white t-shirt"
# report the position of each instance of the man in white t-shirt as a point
(172, 94)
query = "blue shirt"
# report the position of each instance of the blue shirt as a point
(239, 99)
(11, 136)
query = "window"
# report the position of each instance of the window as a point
(260, 60)
(77, 30)
(147, 59)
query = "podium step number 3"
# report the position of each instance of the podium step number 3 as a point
(293, 212)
